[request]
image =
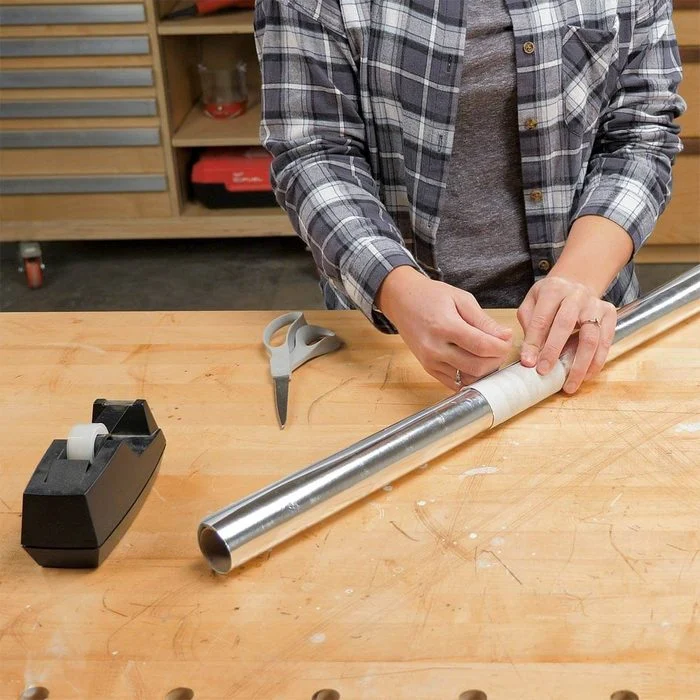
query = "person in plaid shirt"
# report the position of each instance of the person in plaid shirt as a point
(439, 157)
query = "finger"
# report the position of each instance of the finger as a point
(469, 309)
(607, 332)
(538, 327)
(526, 308)
(468, 363)
(588, 339)
(475, 341)
(562, 327)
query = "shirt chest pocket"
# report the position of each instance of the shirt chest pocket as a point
(588, 71)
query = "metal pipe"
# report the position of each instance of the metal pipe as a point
(248, 527)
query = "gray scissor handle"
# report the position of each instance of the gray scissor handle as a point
(303, 343)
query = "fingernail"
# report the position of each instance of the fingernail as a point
(569, 387)
(543, 367)
(528, 358)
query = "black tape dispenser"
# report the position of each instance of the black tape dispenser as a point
(87, 490)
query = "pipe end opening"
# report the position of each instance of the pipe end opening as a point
(214, 549)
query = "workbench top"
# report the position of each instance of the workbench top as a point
(556, 557)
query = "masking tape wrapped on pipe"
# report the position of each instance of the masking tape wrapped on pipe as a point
(516, 388)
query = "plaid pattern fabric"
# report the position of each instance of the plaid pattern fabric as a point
(358, 109)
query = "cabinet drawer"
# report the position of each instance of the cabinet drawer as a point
(113, 13)
(75, 46)
(54, 207)
(72, 161)
(680, 223)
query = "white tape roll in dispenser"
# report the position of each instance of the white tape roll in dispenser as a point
(81, 440)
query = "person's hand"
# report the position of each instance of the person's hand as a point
(444, 327)
(550, 312)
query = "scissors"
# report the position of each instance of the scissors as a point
(303, 343)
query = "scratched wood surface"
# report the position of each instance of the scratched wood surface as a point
(556, 557)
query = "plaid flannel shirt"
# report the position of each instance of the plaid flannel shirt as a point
(359, 101)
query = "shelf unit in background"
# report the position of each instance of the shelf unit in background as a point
(198, 130)
(175, 46)
(240, 22)
(219, 38)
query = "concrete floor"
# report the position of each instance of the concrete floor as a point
(271, 273)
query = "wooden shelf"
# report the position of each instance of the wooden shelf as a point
(199, 130)
(196, 221)
(239, 22)
(253, 222)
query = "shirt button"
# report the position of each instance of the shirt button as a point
(528, 47)
(531, 123)
(543, 265)
(536, 196)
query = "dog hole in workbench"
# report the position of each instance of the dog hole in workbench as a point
(180, 694)
(326, 694)
(473, 695)
(624, 695)
(36, 692)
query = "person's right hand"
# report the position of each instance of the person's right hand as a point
(444, 327)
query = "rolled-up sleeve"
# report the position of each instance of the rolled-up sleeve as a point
(313, 127)
(629, 174)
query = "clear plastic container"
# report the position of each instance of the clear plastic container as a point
(224, 90)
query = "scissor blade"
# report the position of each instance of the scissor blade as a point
(281, 399)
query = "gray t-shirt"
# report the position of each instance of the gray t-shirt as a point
(482, 243)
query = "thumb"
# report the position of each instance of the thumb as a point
(469, 309)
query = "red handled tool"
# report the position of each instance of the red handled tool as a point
(208, 7)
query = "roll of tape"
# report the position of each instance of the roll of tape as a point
(81, 440)
(516, 388)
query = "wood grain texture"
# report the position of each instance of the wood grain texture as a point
(673, 253)
(160, 78)
(687, 26)
(195, 222)
(239, 22)
(49, 30)
(55, 62)
(568, 571)
(78, 161)
(680, 222)
(47, 209)
(690, 91)
(198, 130)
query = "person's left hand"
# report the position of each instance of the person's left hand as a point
(549, 314)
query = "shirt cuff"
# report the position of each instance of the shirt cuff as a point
(364, 267)
(626, 202)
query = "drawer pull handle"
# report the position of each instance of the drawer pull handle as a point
(92, 77)
(74, 138)
(58, 109)
(82, 185)
(72, 14)
(75, 46)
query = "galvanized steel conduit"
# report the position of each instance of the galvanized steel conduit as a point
(248, 527)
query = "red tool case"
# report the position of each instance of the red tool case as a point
(224, 178)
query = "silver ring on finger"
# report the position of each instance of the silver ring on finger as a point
(458, 379)
(594, 321)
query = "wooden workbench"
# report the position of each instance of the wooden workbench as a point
(556, 557)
